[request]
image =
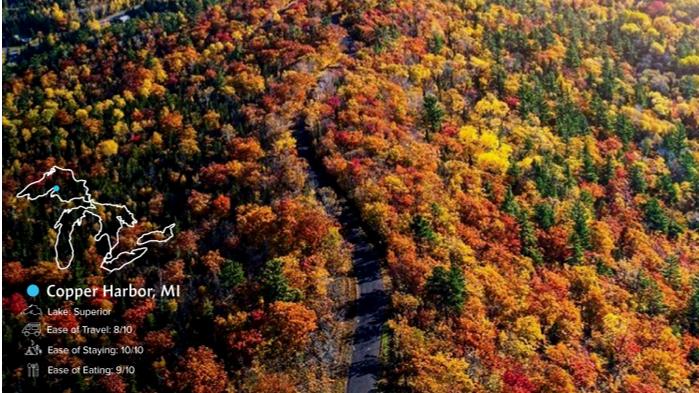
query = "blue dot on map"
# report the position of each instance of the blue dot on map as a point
(56, 188)
(32, 290)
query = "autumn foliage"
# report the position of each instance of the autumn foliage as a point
(531, 169)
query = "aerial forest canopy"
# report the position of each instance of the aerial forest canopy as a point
(528, 168)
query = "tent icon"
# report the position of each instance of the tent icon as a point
(33, 350)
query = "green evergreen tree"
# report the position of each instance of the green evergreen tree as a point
(589, 170)
(545, 37)
(688, 166)
(433, 114)
(674, 229)
(608, 85)
(608, 171)
(532, 100)
(274, 284)
(580, 227)
(514, 172)
(656, 219)
(693, 309)
(676, 140)
(651, 300)
(527, 238)
(641, 95)
(578, 256)
(526, 100)
(499, 78)
(671, 272)
(445, 290)
(570, 121)
(545, 216)
(688, 87)
(667, 189)
(422, 229)
(693, 355)
(232, 274)
(572, 55)
(600, 116)
(580, 238)
(624, 129)
(509, 204)
(436, 43)
(569, 181)
(544, 178)
(637, 179)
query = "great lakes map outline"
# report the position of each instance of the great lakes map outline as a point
(88, 207)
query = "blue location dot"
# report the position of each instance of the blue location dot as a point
(56, 188)
(32, 290)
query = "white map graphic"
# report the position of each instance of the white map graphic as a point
(61, 184)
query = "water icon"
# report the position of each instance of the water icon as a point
(32, 309)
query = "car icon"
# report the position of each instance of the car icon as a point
(32, 329)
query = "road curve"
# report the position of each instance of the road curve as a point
(372, 301)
